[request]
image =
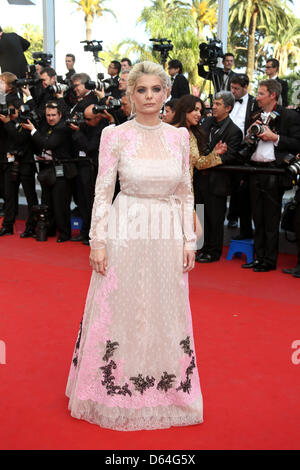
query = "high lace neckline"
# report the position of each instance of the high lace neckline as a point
(143, 126)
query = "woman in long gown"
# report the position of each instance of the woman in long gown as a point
(134, 365)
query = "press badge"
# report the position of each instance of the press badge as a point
(59, 170)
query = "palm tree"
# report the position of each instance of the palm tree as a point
(91, 9)
(255, 15)
(285, 44)
(204, 13)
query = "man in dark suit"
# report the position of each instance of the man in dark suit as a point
(272, 69)
(12, 59)
(84, 96)
(53, 144)
(221, 77)
(86, 139)
(70, 62)
(240, 206)
(180, 85)
(281, 136)
(212, 187)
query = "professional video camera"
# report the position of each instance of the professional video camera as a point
(26, 113)
(77, 119)
(293, 163)
(94, 47)
(164, 46)
(113, 104)
(42, 58)
(210, 52)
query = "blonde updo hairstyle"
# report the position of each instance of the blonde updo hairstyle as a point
(146, 68)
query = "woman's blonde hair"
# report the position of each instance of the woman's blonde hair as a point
(147, 68)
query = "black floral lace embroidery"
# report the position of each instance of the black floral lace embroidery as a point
(186, 346)
(141, 384)
(110, 349)
(108, 381)
(166, 382)
(75, 359)
(187, 385)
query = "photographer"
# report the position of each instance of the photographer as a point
(221, 77)
(296, 270)
(277, 132)
(272, 69)
(20, 168)
(180, 85)
(85, 97)
(48, 80)
(12, 58)
(212, 187)
(86, 139)
(53, 142)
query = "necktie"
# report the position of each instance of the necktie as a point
(240, 100)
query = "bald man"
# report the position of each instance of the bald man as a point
(86, 140)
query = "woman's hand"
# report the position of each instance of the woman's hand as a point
(98, 261)
(220, 148)
(188, 260)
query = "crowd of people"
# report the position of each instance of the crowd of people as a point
(54, 131)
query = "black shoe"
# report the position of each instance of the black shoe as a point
(79, 238)
(297, 274)
(295, 270)
(62, 239)
(264, 267)
(27, 234)
(199, 256)
(207, 258)
(6, 231)
(254, 264)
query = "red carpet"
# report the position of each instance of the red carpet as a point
(244, 325)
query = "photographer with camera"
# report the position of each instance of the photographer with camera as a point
(240, 205)
(86, 139)
(54, 145)
(212, 187)
(50, 92)
(114, 70)
(85, 96)
(20, 168)
(180, 85)
(274, 134)
(209, 55)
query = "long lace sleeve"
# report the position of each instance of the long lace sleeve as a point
(184, 192)
(201, 162)
(105, 186)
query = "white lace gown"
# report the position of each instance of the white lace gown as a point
(134, 364)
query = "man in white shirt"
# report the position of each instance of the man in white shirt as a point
(240, 206)
(280, 136)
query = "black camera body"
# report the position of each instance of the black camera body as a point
(210, 52)
(293, 163)
(77, 119)
(42, 58)
(22, 82)
(5, 111)
(92, 46)
(26, 113)
(113, 104)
